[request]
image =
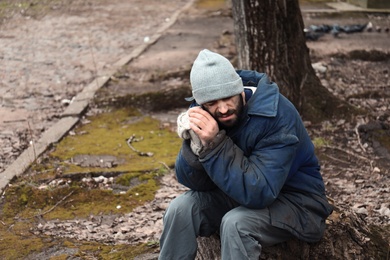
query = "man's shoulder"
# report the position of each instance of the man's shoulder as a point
(251, 78)
(264, 101)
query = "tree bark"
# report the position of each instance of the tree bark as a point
(270, 38)
(347, 237)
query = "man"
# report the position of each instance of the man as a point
(249, 163)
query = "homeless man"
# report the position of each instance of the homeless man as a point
(249, 164)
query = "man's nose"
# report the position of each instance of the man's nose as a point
(222, 107)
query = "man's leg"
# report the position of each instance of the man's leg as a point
(244, 231)
(190, 215)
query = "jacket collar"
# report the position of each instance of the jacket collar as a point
(263, 102)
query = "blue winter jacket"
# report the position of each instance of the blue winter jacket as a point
(267, 154)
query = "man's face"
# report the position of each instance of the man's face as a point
(226, 111)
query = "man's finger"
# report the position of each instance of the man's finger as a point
(197, 122)
(198, 110)
(200, 114)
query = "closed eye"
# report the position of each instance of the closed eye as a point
(209, 104)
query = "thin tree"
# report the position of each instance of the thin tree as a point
(270, 38)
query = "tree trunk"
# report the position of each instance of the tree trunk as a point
(347, 237)
(270, 38)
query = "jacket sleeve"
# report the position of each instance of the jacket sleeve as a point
(190, 172)
(254, 180)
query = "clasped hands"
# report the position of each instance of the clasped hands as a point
(199, 126)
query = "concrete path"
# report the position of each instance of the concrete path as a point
(80, 102)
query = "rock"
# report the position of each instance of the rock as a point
(319, 67)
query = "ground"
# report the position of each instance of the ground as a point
(50, 54)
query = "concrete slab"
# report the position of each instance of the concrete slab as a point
(53, 135)
(80, 103)
(72, 114)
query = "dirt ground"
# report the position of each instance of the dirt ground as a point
(48, 56)
(50, 50)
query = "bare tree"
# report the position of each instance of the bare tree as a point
(270, 38)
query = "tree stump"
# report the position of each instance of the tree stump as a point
(347, 237)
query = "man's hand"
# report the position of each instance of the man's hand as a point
(203, 124)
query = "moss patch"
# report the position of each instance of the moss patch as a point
(22, 243)
(117, 252)
(320, 142)
(27, 202)
(29, 246)
(32, 197)
(107, 134)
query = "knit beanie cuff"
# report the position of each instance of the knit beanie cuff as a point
(218, 91)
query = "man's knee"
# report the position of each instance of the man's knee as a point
(234, 221)
(242, 216)
(253, 223)
(181, 206)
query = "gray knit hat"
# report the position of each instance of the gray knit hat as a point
(213, 77)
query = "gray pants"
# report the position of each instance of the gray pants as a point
(243, 231)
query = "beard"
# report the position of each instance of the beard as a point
(233, 122)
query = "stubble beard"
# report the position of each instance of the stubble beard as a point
(232, 123)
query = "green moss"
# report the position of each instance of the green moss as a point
(24, 244)
(60, 257)
(17, 199)
(25, 200)
(320, 142)
(117, 252)
(126, 252)
(80, 202)
(126, 179)
(101, 251)
(144, 191)
(22, 241)
(107, 134)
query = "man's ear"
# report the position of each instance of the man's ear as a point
(243, 97)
